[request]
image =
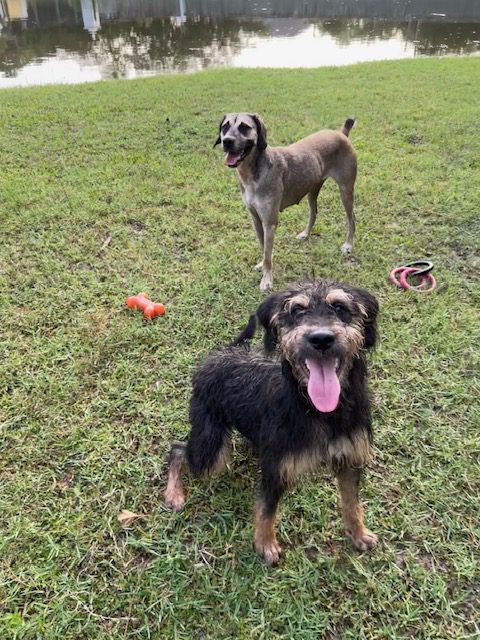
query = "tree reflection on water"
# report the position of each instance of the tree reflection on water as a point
(122, 38)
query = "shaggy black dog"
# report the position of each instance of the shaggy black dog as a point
(303, 406)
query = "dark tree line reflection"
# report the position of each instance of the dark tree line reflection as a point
(145, 45)
(163, 45)
(429, 37)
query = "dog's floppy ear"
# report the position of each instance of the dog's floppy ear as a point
(261, 132)
(368, 305)
(218, 140)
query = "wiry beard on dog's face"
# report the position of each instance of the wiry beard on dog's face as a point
(320, 335)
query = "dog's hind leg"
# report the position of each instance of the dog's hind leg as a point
(352, 510)
(207, 451)
(313, 210)
(174, 493)
(208, 445)
(346, 194)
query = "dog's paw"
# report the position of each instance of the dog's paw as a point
(266, 282)
(270, 552)
(259, 265)
(347, 247)
(174, 500)
(302, 236)
(364, 540)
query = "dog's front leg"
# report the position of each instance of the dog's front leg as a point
(266, 544)
(352, 510)
(258, 226)
(268, 217)
(268, 236)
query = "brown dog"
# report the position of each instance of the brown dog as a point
(274, 178)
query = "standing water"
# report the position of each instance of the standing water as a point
(70, 41)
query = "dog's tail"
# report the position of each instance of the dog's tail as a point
(247, 333)
(349, 122)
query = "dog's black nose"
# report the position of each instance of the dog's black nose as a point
(321, 340)
(228, 144)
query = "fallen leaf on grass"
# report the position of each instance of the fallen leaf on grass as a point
(126, 518)
(64, 482)
(106, 242)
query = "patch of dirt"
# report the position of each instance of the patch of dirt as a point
(138, 227)
(415, 138)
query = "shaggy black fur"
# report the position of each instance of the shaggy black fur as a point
(260, 397)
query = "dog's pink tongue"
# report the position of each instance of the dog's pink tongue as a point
(231, 158)
(323, 385)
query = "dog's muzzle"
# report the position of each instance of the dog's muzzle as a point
(235, 156)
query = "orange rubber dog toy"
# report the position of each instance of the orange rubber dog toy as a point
(150, 309)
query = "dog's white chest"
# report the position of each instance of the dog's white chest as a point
(248, 194)
(254, 197)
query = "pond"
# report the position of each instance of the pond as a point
(70, 41)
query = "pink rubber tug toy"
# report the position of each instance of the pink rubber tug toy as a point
(421, 269)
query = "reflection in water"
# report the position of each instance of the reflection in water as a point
(45, 41)
(90, 16)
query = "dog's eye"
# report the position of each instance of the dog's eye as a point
(297, 309)
(244, 128)
(338, 307)
(341, 310)
(225, 127)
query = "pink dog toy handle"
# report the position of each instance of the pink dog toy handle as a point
(425, 279)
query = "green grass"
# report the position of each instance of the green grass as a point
(92, 394)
